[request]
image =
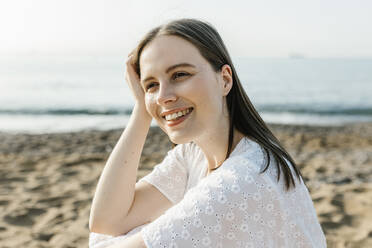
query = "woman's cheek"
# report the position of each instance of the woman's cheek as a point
(150, 104)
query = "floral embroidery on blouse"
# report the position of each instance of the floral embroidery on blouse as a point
(234, 206)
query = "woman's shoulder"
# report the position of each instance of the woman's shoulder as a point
(260, 165)
(249, 158)
(248, 155)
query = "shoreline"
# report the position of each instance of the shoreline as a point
(105, 126)
(48, 180)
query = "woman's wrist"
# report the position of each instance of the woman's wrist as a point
(140, 109)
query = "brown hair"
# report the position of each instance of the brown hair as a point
(242, 114)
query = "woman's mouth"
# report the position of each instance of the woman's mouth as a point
(178, 117)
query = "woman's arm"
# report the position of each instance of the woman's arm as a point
(134, 241)
(115, 189)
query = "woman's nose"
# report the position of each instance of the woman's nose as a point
(166, 94)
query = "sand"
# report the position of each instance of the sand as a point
(47, 181)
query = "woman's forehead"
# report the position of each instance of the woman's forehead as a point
(165, 51)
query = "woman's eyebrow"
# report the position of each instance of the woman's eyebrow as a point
(172, 67)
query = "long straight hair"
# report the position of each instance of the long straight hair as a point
(242, 114)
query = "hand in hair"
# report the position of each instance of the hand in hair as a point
(133, 81)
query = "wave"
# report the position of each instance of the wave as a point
(267, 108)
(316, 110)
(67, 111)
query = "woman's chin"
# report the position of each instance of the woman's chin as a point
(177, 136)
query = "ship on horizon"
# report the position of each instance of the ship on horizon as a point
(296, 56)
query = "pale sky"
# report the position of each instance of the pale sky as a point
(260, 28)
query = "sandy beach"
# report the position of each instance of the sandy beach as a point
(48, 181)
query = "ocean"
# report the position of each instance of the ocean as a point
(48, 94)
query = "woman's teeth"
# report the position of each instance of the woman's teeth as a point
(177, 115)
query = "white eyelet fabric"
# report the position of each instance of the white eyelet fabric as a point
(170, 176)
(234, 206)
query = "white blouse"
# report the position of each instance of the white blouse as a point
(234, 206)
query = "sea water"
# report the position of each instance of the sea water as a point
(41, 94)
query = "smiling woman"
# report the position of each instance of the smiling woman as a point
(227, 182)
(168, 92)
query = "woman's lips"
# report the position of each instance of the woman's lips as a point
(179, 120)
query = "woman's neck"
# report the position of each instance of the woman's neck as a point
(215, 148)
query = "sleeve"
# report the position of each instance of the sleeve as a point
(232, 207)
(171, 175)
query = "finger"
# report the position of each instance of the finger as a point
(129, 59)
(132, 71)
(132, 52)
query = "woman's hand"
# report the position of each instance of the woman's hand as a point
(133, 81)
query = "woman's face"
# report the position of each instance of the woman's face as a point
(177, 80)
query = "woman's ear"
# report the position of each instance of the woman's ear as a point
(227, 79)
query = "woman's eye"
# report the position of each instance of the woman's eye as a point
(174, 77)
(179, 74)
(150, 85)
